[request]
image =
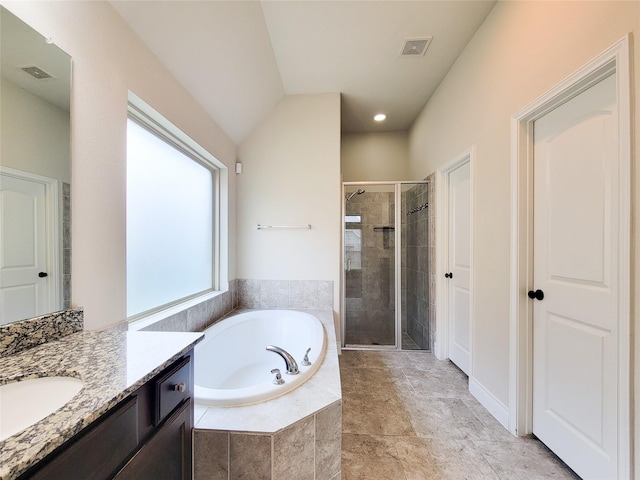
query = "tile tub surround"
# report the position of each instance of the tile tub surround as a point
(200, 316)
(308, 449)
(294, 294)
(306, 419)
(243, 293)
(111, 364)
(18, 336)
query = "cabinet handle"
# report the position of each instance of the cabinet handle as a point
(180, 387)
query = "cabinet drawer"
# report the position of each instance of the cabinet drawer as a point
(172, 388)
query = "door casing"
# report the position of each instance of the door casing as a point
(52, 232)
(614, 59)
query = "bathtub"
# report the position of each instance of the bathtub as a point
(232, 367)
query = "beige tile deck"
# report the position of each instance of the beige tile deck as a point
(408, 416)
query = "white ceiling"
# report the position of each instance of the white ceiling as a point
(239, 58)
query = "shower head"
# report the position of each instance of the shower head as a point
(349, 196)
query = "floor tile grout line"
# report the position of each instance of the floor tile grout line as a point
(409, 382)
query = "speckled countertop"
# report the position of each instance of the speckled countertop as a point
(112, 366)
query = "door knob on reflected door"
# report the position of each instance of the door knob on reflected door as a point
(448, 275)
(538, 294)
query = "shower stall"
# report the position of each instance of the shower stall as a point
(385, 284)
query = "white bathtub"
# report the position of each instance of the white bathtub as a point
(233, 368)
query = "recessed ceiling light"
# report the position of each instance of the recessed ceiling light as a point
(380, 117)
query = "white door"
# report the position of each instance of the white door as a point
(23, 292)
(459, 265)
(575, 251)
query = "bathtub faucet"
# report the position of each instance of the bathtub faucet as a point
(290, 362)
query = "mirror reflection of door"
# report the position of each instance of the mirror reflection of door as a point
(25, 286)
(35, 87)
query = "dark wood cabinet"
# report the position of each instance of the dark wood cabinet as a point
(115, 430)
(167, 455)
(146, 436)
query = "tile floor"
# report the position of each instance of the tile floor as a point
(408, 416)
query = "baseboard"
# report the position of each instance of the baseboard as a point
(495, 407)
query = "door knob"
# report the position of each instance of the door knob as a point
(538, 294)
(43, 274)
(448, 275)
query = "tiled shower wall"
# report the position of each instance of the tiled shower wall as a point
(431, 199)
(416, 244)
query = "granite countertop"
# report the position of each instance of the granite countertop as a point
(112, 366)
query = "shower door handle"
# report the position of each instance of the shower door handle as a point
(349, 265)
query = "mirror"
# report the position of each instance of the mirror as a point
(35, 173)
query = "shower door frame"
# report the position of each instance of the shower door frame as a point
(397, 280)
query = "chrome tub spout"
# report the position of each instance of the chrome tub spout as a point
(290, 362)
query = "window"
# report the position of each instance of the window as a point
(172, 215)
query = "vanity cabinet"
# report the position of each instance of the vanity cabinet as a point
(167, 454)
(145, 436)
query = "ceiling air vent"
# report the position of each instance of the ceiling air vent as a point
(415, 47)
(36, 72)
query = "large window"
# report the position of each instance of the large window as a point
(172, 192)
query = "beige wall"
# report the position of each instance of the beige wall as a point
(35, 134)
(291, 175)
(522, 50)
(109, 60)
(375, 157)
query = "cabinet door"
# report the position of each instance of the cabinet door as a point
(96, 452)
(167, 455)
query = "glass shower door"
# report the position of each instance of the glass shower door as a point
(370, 265)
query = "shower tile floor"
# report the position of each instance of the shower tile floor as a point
(408, 343)
(409, 416)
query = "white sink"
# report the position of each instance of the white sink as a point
(24, 403)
